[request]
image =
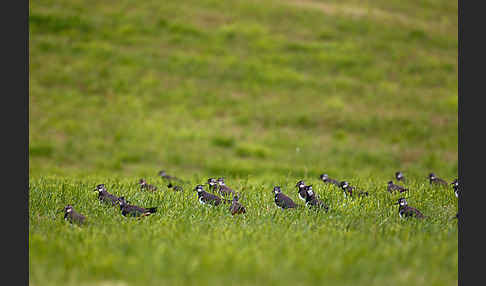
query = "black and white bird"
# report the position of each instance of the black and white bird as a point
(394, 187)
(455, 186)
(223, 189)
(213, 184)
(301, 190)
(404, 210)
(325, 178)
(312, 201)
(281, 200)
(145, 186)
(105, 196)
(73, 216)
(399, 176)
(349, 190)
(167, 177)
(236, 207)
(434, 180)
(206, 198)
(134, 211)
(175, 187)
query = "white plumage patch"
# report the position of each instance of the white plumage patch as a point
(201, 201)
(301, 197)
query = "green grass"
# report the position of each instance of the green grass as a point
(263, 93)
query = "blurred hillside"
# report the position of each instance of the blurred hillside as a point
(243, 88)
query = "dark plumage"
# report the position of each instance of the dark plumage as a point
(349, 190)
(434, 180)
(399, 176)
(72, 216)
(206, 198)
(105, 196)
(170, 178)
(325, 178)
(224, 190)
(407, 211)
(236, 207)
(213, 184)
(455, 187)
(281, 200)
(393, 187)
(145, 186)
(175, 188)
(301, 190)
(312, 201)
(134, 211)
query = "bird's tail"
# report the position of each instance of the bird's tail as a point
(152, 210)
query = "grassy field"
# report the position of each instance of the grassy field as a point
(263, 93)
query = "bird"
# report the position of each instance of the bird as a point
(325, 178)
(134, 211)
(72, 216)
(105, 196)
(236, 207)
(281, 200)
(348, 190)
(213, 184)
(399, 176)
(165, 176)
(175, 188)
(312, 201)
(144, 185)
(207, 198)
(301, 190)
(434, 180)
(455, 186)
(404, 210)
(393, 187)
(224, 190)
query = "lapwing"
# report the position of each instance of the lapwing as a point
(325, 178)
(236, 207)
(399, 176)
(170, 178)
(455, 186)
(394, 187)
(349, 190)
(206, 198)
(281, 200)
(224, 190)
(145, 186)
(301, 190)
(434, 180)
(213, 184)
(134, 211)
(175, 188)
(404, 210)
(312, 201)
(105, 196)
(72, 216)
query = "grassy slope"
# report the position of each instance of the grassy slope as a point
(263, 93)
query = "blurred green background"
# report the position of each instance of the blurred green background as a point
(243, 88)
